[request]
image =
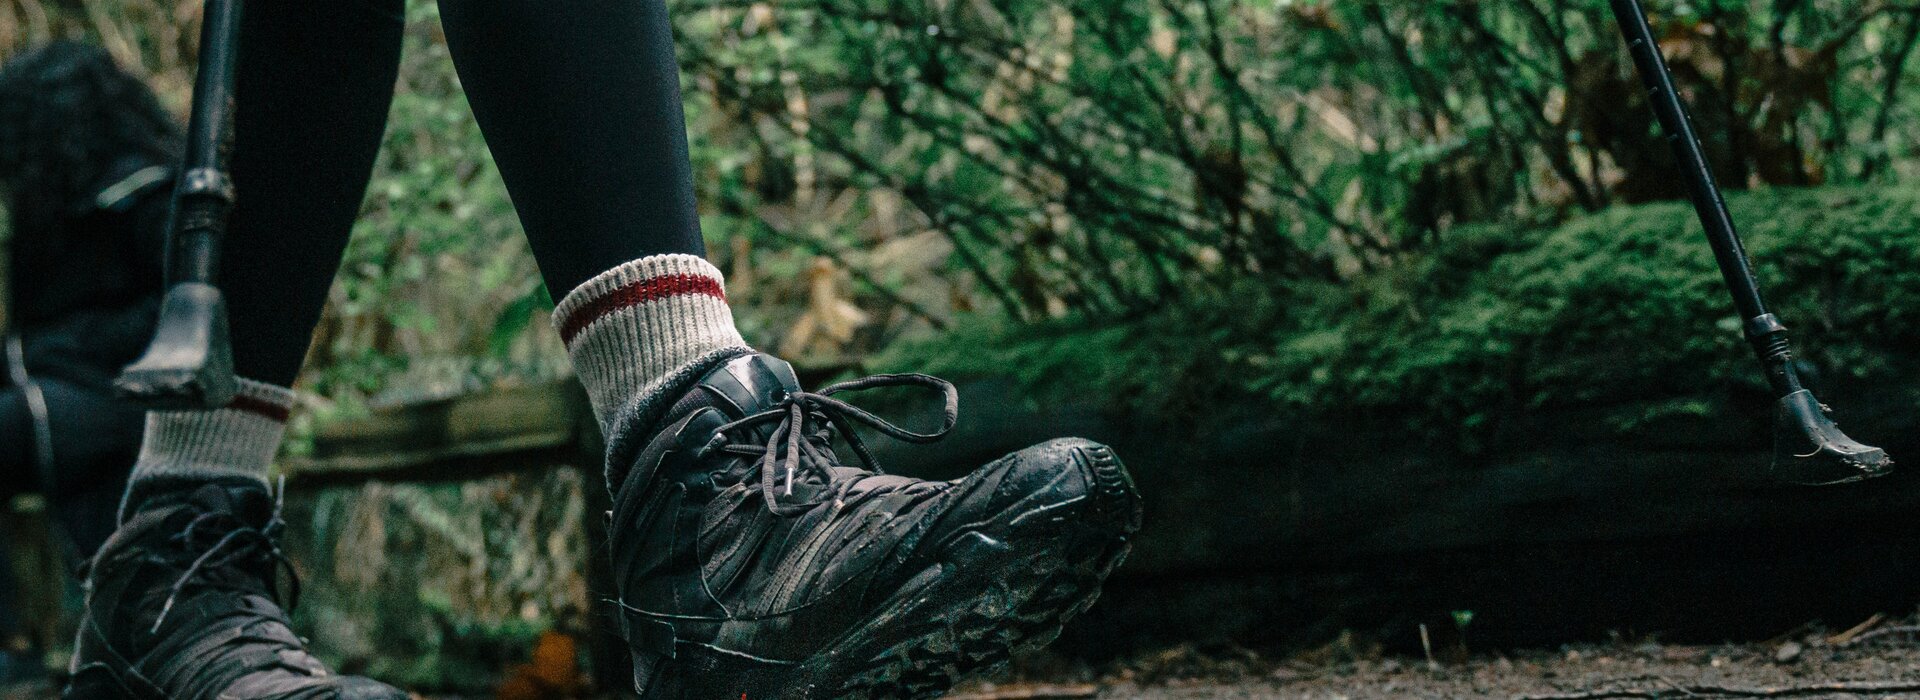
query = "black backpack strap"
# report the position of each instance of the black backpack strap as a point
(121, 194)
(36, 406)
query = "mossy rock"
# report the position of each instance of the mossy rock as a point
(1623, 312)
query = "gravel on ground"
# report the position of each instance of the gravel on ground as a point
(1877, 660)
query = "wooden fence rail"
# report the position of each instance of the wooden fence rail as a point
(458, 438)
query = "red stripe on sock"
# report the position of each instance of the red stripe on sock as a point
(637, 293)
(260, 407)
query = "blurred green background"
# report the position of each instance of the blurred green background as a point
(1442, 217)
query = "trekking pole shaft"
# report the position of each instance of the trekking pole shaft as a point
(204, 195)
(1763, 330)
(189, 363)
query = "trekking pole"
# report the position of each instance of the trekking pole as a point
(1808, 448)
(189, 364)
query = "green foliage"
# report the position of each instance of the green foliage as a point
(1093, 161)
(1101, 159)
(438, 293)
(1622, 311)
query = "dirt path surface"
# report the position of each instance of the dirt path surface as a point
(1668, 672)
(1879, 663)
(1882, 663)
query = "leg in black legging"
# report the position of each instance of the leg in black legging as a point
(95, 440)
(580, 104)
(314, 82)
(312, 87)
(12, 630)
(315, 78)
(18, 473)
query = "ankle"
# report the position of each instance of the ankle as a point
(233, 446)
(634, 329)
(161, 491)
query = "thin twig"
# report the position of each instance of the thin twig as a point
(1846, 638)
(1789, 691)
(1426, 644)
(1882, 632)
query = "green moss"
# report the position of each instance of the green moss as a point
(1621, 310)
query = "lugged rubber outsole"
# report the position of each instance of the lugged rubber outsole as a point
(1021, 609)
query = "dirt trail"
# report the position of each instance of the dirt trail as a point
(1884, 665)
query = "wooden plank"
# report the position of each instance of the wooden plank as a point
(469, 435)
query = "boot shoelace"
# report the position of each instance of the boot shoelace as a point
(803, 439)
(233, 541)
(236, 542)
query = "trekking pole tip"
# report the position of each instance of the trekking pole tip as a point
(189, 364)
(1810, 450)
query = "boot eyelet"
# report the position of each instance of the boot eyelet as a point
(713, 443)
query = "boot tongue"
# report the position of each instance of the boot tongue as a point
(743, 386)
(753, 383)
(245, 498)
(250, 503)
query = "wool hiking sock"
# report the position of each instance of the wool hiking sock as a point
(643, 329)
(235, 443)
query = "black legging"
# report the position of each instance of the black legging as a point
(579, 101)
(94, 439)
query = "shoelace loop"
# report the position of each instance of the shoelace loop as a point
(803, 439)
(237, 542)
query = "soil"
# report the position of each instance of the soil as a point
(1878, 660)
(1881, 660)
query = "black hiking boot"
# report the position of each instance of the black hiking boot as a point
(750, 561)
(182, 604)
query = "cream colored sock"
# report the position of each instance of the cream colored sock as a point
(630, 328)
(238, 440)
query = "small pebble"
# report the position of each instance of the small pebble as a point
(1788, 653)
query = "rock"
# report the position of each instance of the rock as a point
(1788, 653)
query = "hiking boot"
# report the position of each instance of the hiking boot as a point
(182, 603)
(750, 560)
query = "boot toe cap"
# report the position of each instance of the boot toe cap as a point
(1072, 473)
